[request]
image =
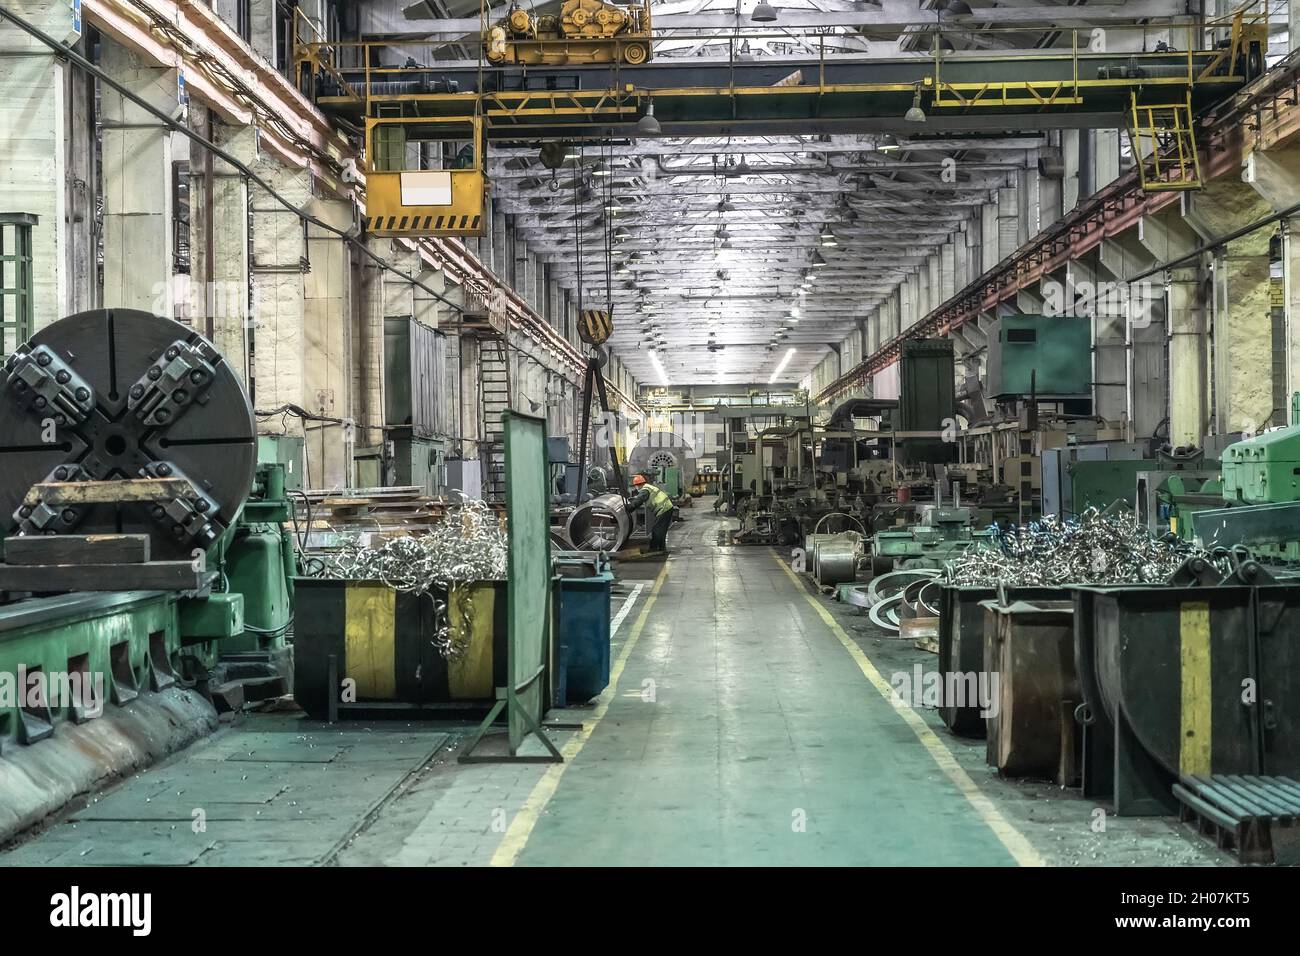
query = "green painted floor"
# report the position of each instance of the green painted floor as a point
(744, 733)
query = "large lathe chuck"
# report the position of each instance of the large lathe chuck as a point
(119, 394)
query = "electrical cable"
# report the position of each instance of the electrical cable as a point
(577, 220)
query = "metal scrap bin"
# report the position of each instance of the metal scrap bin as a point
(382, 640)
(1029, 645)
(961, 643)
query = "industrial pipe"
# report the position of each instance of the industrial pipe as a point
(601, 524)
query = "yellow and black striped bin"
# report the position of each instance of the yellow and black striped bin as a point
(382, 642)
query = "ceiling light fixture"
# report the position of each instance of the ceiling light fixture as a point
(764, 12)
(785, 360)
(647, 125)
(659, 368)
(915, 114)
(887, 144)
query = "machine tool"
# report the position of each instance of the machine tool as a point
(1261, 493)
(128, 467)
(943, 532)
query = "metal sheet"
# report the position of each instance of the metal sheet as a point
(528, 511)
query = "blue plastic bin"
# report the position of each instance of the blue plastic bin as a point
(584, 622)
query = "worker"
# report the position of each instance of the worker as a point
(661, 512)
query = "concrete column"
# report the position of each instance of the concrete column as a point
(1104, 158)
(1070, 156)
(82, 190)
(1242, 321)
(1050, 206)
(988, 249)
(1139, 309)
(1029, 204)
(276, 332)
(330, 298)
(1029, 302)
(386, 295)
(1275, 175)
(428, 309)
(33, 156)
(301, 328)
(137, 175)
(1167, 237)
(1009, 222)
(1109, 347)
(264, 32)
(218, 304)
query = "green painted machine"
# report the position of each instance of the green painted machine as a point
(942, 534)
(258, 561)
(1261, 492)
(145, 545)
(1265, 469)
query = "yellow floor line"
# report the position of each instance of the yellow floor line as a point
(1015, 842)
(521, 827)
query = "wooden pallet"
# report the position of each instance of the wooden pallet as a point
(400, 509)
(1257, 818)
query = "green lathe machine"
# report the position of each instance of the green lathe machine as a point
(144, 544)
(1261, 492)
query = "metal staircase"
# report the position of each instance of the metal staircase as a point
(494, 398)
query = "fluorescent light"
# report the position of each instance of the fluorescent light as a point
(785, 360)
(659, 368)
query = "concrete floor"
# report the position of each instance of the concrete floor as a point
(749, 722)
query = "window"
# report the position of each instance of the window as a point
(181, 217)
(16, 305)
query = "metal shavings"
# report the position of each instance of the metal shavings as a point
(469, 544)
(1091, 548)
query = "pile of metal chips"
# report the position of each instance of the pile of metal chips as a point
(468, 544)
(1091, 548)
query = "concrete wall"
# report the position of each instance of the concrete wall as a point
(298, 311)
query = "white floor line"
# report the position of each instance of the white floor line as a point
(625, 609)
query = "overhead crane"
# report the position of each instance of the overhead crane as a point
(426, 126)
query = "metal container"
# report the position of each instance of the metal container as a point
(836, 563)
(1031, 728)
(961, 643)
(1185, 680)
(377, 644)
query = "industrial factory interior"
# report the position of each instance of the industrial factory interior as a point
(669, 433)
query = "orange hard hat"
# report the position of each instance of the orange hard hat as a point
(638, 481)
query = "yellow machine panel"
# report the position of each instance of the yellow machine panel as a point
(585, 31)
(424, 176)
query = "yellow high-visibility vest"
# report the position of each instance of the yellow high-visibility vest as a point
(659, 499)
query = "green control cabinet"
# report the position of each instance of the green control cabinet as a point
(1050, 355)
